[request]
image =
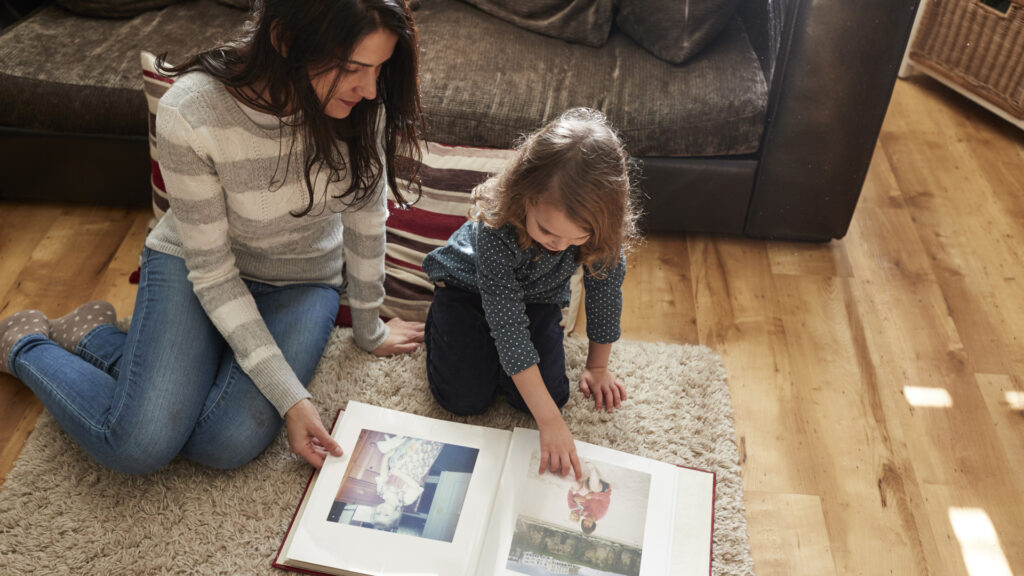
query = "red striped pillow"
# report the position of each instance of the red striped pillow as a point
(154, 85)
(448, 175)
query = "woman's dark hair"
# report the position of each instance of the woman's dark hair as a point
(315, 35)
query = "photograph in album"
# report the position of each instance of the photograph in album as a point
(404, 485)
(539, 549)
(594, 526)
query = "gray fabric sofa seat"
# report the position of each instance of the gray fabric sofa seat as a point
(64, 73)
(712, 105)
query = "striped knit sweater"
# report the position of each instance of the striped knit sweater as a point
(229, 222)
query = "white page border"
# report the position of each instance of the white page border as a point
(373, 552)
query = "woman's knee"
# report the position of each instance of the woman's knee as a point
(230, 458)
(141, 455)
(227, 447)
(231, 455)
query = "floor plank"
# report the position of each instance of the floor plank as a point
(67, 263)
(67, 255)
(659, 292)
(18, 413)
(788, 534)
(22, 228)
(738, 317)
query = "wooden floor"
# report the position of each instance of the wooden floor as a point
(877, 381)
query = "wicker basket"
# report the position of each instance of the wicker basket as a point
(977, 47)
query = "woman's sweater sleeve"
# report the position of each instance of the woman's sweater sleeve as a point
(198, 205)
(364, 242)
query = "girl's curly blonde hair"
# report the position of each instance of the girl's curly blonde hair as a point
(576, 162)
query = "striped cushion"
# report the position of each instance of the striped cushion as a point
(154, 84)
(448, 175)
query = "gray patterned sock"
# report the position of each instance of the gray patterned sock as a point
(16, 327)
(69, 329)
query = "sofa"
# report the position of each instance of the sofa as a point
(767, 132)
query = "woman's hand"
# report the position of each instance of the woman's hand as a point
(307, 436)
(404, 337)
(606, 389)
(558, 450)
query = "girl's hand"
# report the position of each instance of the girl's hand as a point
(307, 436)
(404, 337)
(557, 449)
(608, 392)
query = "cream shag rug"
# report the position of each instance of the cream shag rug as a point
(61, 513)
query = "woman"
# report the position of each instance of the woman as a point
(277, 151)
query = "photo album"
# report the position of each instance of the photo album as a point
(417, 495)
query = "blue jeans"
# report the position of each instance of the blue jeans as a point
(171, 385)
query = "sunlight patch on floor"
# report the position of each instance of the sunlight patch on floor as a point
(922, 397)
(1015, 399)
(979, 542)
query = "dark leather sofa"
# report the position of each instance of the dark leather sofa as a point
(780, 153)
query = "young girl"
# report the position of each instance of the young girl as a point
(503, 277)
(277, 151)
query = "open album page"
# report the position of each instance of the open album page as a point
(411, 495)
(619, 520)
